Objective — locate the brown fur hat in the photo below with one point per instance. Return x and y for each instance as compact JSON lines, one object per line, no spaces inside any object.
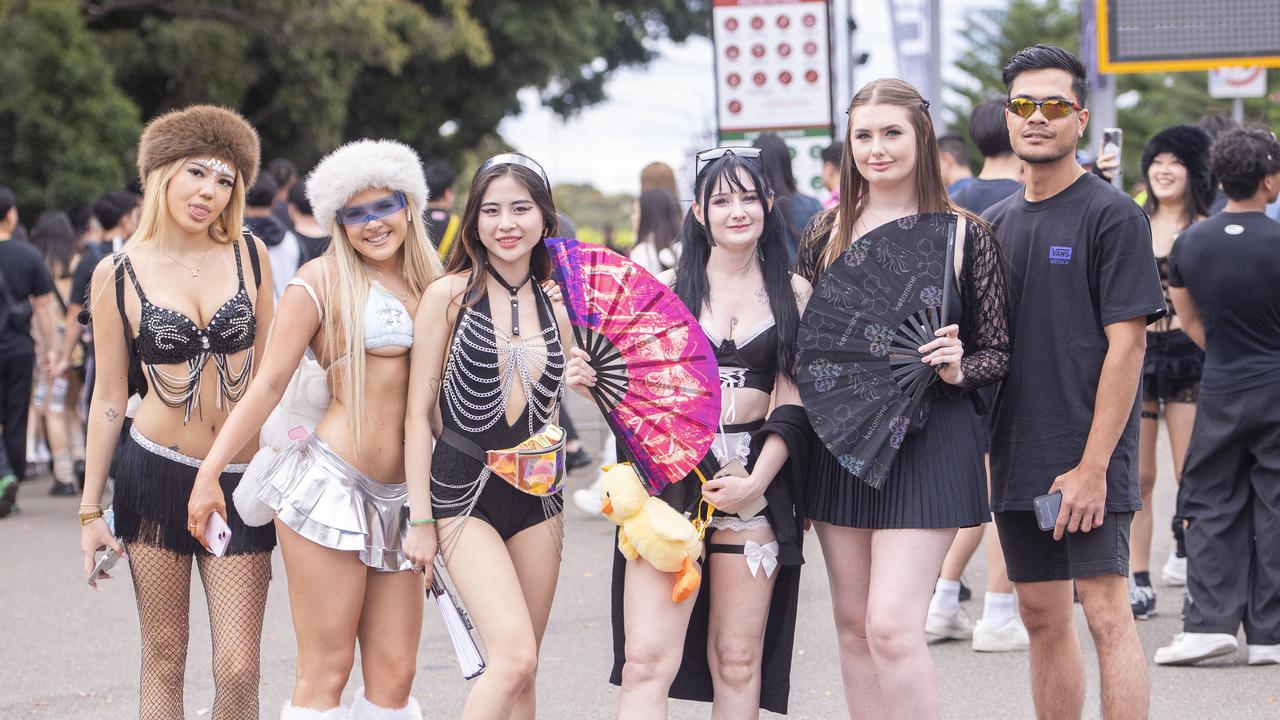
{"x":200,"y":131}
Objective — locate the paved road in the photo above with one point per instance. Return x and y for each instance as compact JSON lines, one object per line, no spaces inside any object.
{"x":72,"y":654}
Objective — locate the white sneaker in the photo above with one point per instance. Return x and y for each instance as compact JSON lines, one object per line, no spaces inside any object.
{"x":1189,"y":648}
{"x":588,"y":500}
{"x":1009,"y":637}
{"x":1174,"y":571}
{"x":941,"y":626}
{"x":1264,"y":654}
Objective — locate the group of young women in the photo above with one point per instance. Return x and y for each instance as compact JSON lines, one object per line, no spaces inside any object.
{"x":430,"y":367}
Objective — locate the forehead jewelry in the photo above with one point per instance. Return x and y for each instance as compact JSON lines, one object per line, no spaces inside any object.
{"x":217,"y":166}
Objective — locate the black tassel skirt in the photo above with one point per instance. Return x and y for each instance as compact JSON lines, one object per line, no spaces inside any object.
{"x":153,"y":485}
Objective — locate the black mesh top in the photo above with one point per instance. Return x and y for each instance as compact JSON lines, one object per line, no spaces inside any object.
{"x":984,"y":295}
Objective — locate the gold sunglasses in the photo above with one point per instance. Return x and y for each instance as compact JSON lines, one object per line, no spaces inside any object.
{"x":1052,"y":109}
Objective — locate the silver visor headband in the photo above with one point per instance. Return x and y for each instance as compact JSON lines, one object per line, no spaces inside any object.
{"x":516,"y":159}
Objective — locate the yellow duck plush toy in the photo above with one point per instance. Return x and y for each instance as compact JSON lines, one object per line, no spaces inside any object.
{"x":651,"y":529}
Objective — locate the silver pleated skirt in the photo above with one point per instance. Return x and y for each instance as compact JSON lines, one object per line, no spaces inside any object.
{"x":325,"y":500}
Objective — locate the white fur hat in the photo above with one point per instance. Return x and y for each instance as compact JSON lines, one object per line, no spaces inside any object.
{"x":359,"y":166}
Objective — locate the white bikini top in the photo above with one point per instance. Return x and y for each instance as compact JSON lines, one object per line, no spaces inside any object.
{"x":386,"y":321}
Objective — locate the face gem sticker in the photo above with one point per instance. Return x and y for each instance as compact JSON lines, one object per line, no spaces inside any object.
{"x":217,"y":166}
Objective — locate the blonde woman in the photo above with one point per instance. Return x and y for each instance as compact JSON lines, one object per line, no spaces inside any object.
{"x":352,"y":531}
{"x":185,"y":298}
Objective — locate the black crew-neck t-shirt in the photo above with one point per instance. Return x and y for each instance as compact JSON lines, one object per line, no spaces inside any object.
{"x":1230,"y":263}
{"x":980,"y":194}
{"x":1078,"y":261}
{"x":27,"y":278}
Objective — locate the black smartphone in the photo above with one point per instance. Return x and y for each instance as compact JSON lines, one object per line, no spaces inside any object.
{"x":1047,"y":508}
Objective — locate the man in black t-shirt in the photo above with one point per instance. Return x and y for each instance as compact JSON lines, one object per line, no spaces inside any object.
{"x":1001,"y":169}
{"x":1083,"y":287}
{"x":27,"y":305}
{"x":1224,"y":280}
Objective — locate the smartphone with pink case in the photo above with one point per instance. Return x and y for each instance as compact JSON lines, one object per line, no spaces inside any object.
{"x":217,"y":534}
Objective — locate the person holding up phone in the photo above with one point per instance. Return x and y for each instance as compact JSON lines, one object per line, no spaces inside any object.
{"x":732,"y":645}
{"x":178,"y":314}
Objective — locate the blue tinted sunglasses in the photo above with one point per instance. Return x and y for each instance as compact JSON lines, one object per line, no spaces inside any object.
{"x":380,"y":208}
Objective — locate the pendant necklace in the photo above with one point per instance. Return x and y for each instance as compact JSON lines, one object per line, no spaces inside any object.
{"x":514,"y":291}
{"x":403,"y":297}
{"x":195,"y":271}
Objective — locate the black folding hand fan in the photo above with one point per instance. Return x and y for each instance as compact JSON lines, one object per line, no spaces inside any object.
{"x":859,"y":368}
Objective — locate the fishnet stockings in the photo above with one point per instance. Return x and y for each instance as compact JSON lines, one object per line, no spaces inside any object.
{"x":236,"y":588}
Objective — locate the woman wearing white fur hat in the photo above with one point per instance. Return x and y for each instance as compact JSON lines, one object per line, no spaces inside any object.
{"x":353,"y":533}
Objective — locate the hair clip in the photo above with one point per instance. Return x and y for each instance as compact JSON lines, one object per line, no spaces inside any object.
{"x":925,"y":103}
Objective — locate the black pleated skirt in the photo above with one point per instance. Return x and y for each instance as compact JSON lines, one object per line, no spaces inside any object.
{"x":937,"y":481}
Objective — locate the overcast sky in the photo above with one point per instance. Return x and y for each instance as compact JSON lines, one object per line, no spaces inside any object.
{"x":666,"y":110}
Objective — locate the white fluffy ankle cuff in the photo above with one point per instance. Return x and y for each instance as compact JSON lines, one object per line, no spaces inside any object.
{"x":362,"y":709}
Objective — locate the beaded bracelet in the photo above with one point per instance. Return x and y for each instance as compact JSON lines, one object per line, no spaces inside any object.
{"x":423,"y":521}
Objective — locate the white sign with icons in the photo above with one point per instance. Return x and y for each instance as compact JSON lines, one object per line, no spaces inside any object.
{"x":773,"y":68}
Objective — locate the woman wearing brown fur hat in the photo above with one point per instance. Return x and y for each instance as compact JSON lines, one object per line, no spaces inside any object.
{"x":1175,"y":164}
{"x":177,"y":316}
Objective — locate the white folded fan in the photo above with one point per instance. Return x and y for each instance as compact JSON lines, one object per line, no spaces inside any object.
{"x":462,"y":633}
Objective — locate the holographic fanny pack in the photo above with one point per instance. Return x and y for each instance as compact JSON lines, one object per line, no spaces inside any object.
{"x":535,"y":466}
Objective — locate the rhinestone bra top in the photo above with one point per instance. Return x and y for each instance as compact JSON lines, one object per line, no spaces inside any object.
{"x":167,"y":337}
{"x":479,"y":376}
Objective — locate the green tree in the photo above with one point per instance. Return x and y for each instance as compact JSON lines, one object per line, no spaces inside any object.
{"x":67,"y":132}
{"x":438,"y":74}
{"x":1156,"y":100}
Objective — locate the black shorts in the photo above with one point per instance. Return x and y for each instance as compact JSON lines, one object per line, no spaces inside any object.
{"x":1032,"y":555}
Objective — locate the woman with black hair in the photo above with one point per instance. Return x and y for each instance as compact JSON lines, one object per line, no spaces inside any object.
{"x":486,"y":376}
{"x":796,"y":208}
{"x":1175,"y":164}
{"x":56,"y":238}
{"x":732,"y":645}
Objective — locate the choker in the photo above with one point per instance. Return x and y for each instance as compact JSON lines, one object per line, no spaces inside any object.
{"x":514,"y":291}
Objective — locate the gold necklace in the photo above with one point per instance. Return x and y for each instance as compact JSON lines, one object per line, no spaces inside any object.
{"x":404,"y":297}
{"x":195,"y":272}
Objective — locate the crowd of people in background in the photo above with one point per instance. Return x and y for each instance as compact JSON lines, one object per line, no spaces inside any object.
{"x":1085,"y":316}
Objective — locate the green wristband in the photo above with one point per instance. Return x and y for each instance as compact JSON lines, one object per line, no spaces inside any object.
{"x":423,"y":521}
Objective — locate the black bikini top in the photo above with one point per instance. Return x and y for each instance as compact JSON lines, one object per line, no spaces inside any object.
{"x":167,"y":337}
{"x":749,"y":363}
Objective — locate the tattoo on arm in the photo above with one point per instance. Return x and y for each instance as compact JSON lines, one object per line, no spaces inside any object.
{"x":111,"y":414}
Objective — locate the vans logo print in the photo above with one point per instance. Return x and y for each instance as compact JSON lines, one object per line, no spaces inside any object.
{"x":1059,"y":255}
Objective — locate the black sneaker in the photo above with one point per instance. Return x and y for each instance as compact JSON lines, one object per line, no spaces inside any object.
{"x":61,"y":488}
{"x":578,"y":459}
{"x":8,"y":494}
{"x":1142,"y":600}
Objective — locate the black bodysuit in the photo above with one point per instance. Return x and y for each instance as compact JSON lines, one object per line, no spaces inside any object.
{"x":473,"y":407}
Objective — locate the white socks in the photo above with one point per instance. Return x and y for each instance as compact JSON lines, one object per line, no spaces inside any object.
{"x":946,"y":597}
{"x":998,"y":609}
{"x":362,"y":709}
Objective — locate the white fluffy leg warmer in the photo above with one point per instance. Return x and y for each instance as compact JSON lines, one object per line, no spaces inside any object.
{"x":362,"y":709}
{"x":291,"y":712}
